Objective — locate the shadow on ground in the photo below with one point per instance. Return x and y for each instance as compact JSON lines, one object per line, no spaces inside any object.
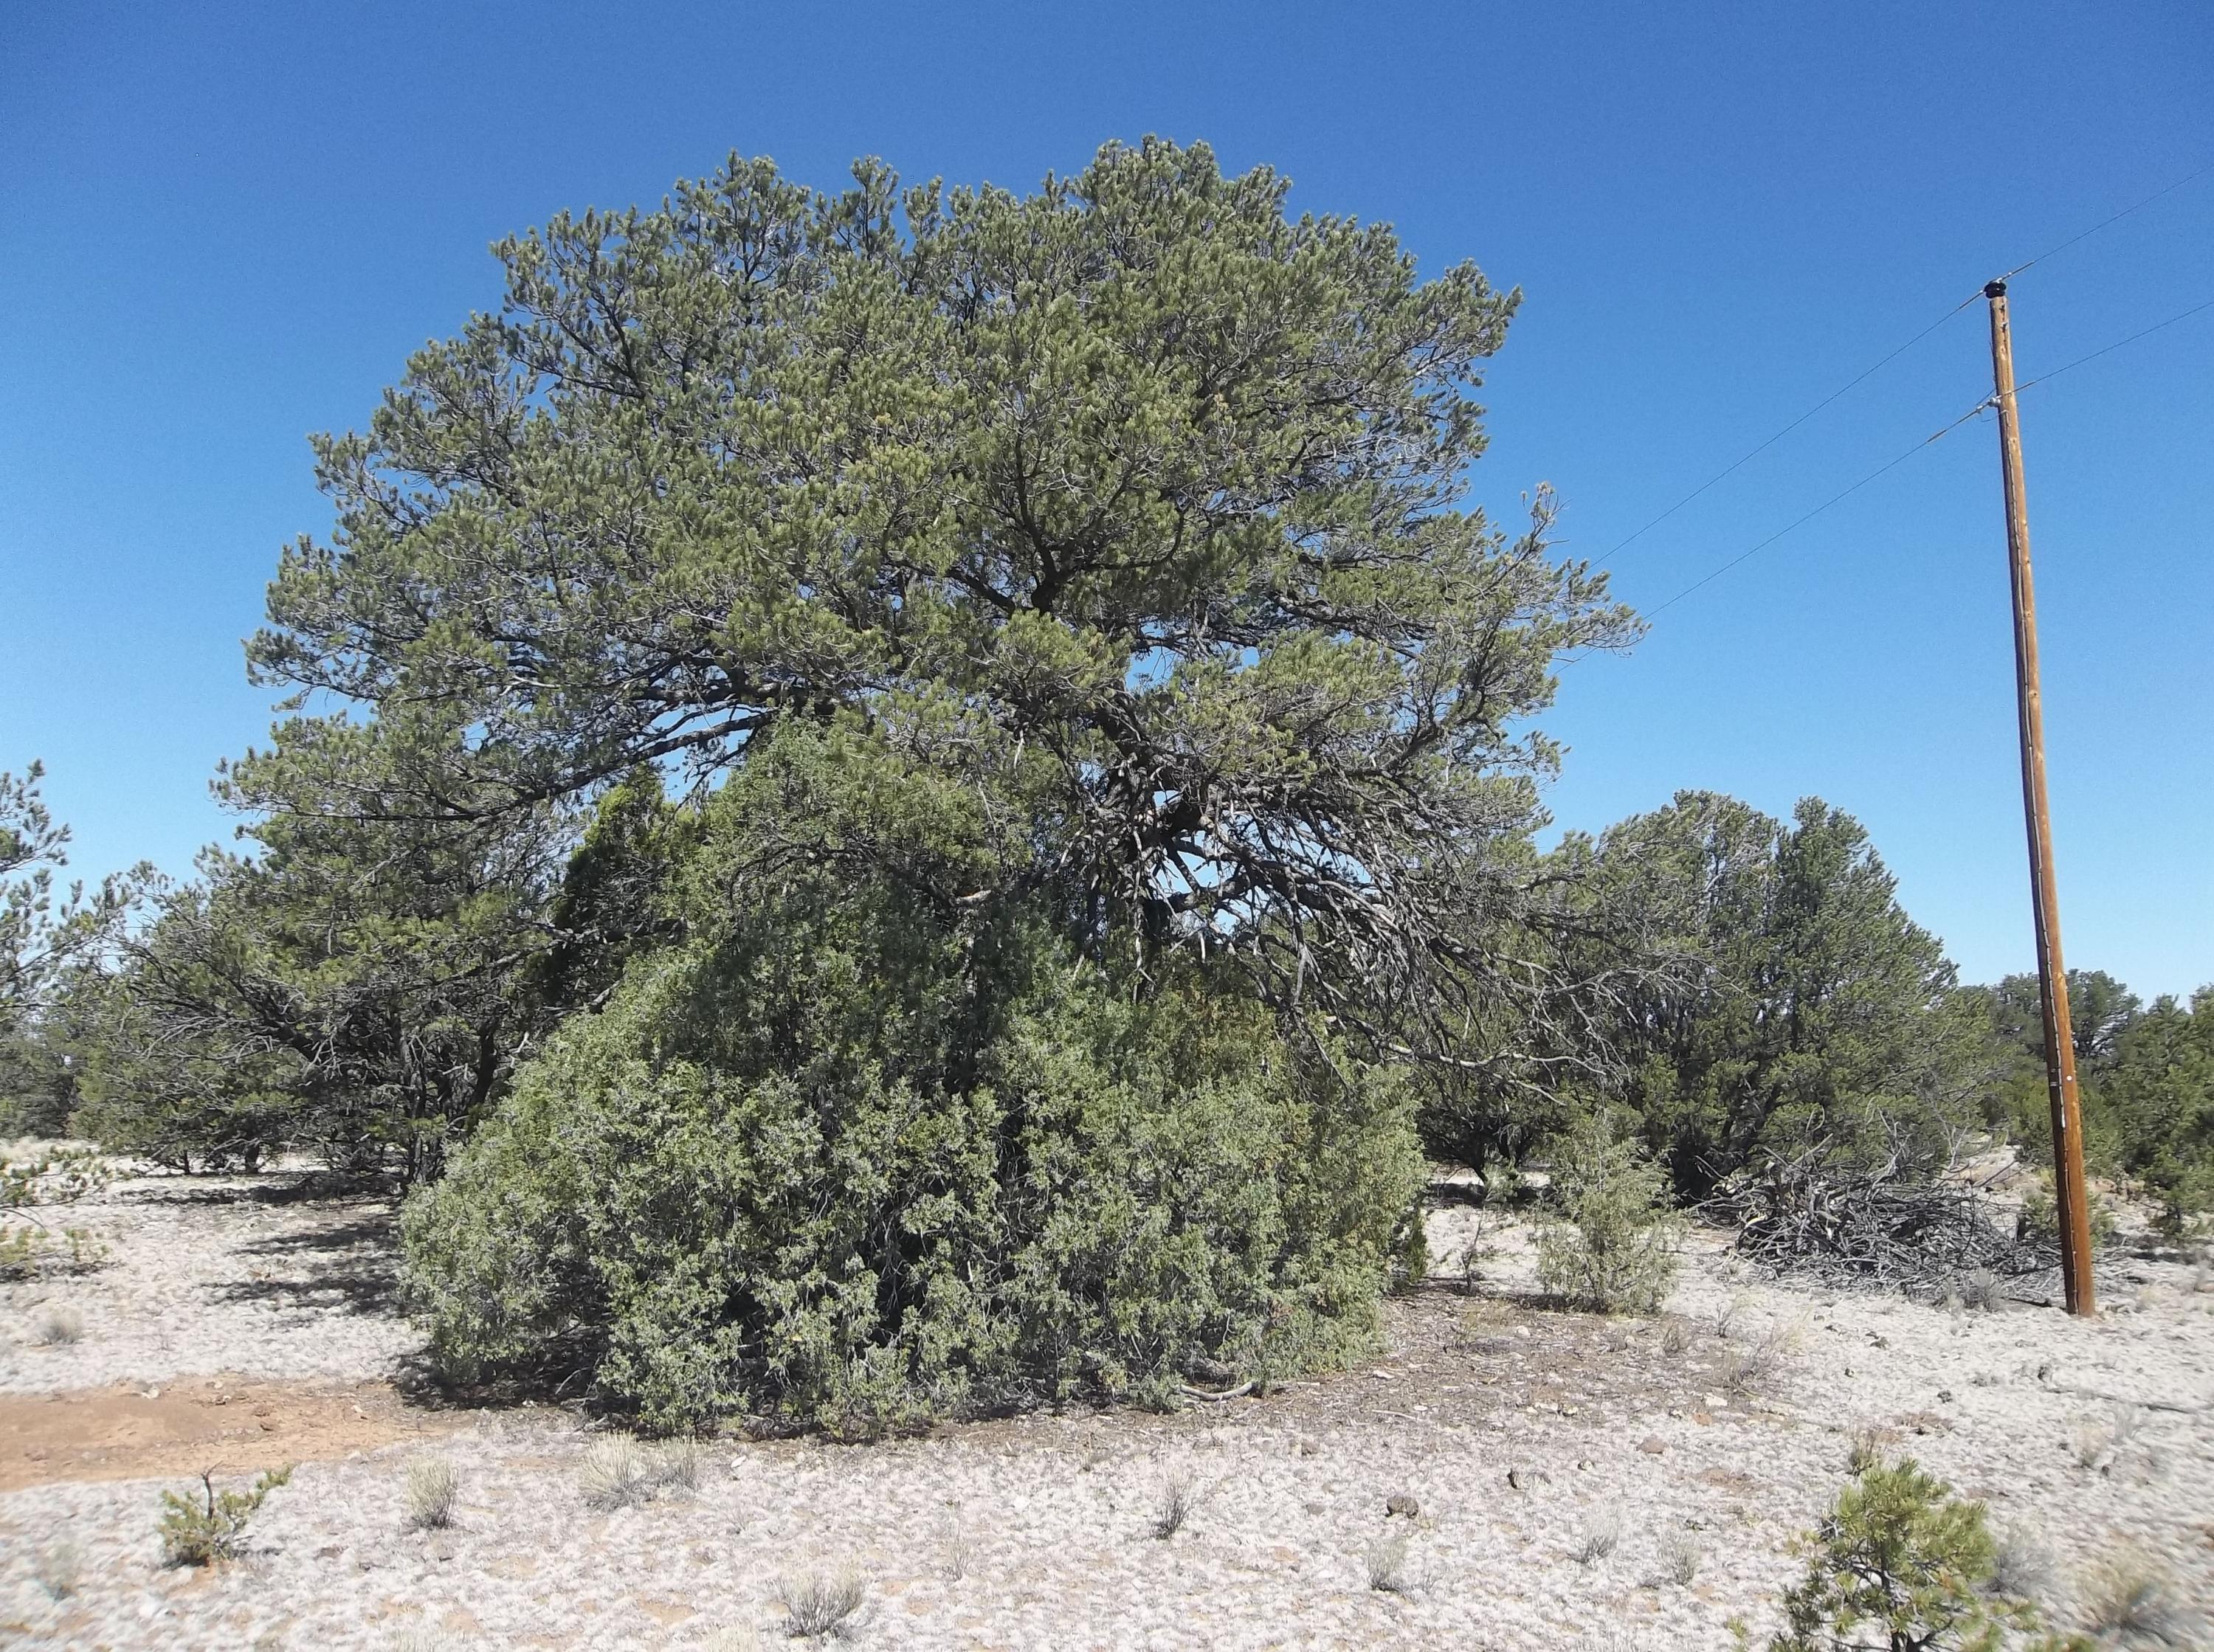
{"x":350,"y":1266}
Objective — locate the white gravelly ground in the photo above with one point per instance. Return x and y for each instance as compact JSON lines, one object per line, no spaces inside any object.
{"x":1036,"y":1532}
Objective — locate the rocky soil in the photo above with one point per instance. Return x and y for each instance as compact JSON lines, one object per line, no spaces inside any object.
{"x":1504,"y":1476}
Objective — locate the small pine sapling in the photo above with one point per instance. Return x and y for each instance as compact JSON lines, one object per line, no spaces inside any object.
{"x":1899,"y":1564}
{"x":197,"y":1531}
{"x":1410,"y":1263}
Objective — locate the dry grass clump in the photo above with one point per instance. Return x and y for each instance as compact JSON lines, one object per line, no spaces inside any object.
{"x":957,"y":1550}
{"x":616,"y":1473}
{"x":1869,"y":1442}
{"x":2024,"y":1565}
{"x":1753,"y":1369}
{"x":676,"y":1465}
{"x":1469,"y":1262}
{"x":1387,"y":1564}
{"x":59,"y":1569}
{"x":821,"y":1604}
{"x":2130,"y":1600}
{"x":58,"y":1327}
{"x":1680,"y":1555}
{"x":1599,"y":1540}
{"x":619,"y":1471}
{"x":2097,"y":1441}
{"x":1179,"y":1497}
{"x":433,"y":1483}
{"x":1733,"y":1314}
{"x":1983,"y":1291}
{"x":734,"y":1638}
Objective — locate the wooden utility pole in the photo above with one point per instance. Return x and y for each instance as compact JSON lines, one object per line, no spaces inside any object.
{"x":2069,"y":1194}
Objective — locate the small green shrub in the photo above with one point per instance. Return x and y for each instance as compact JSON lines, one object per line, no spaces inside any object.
{"x":1411,"y":1262}
{"x":2038,"y":1222}
{"x":196,"y":1531}
{"x":1610,"y":1243}
{"x":1900,"y":1563}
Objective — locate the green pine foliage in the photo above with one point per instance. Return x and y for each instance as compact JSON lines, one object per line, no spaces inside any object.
{"x":1900,"y":1564}
{"x":52,"y":937}
{"x":1608,"y":1242}
{"x":199,"y":1531}
{"x":876,"y":1143}
{"x":2145,"y":1080}
{"x":1148,"y":495}
{"x":29,"y":1244}
{"x":1786,"y":1002}
{"x":2159,"y":1094}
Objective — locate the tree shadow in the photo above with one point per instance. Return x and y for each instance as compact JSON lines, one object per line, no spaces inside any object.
{"x":268,"y":1187}
{"x":352,"y":1266}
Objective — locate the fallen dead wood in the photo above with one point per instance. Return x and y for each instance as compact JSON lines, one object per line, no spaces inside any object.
{"x":1238,"y":1393}
{"x":1872,"y":1227}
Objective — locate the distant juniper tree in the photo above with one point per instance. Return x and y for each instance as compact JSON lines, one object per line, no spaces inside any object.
{"x":48,"y":933}
{"x":2158,"y":1092}
{"x":2101,"y":1011}
{"x":1793,"y":1005}
{"x":360,"y":985}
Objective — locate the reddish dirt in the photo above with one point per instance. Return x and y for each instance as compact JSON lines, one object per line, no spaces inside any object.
{"x":231,"y":1425}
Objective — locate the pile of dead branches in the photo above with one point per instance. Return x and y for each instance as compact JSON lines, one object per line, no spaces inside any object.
{"x":1867,"y":1226}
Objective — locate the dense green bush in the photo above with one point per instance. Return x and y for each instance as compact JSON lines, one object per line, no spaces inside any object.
{"x":1788,"y":1004}
{"x":2159,"y":1093}
{"x":875,"y":1142}
{"x":1610,"y":1240}
{"x":2145,"y":1074}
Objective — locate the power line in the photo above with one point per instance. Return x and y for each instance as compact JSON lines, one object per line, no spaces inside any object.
{"x":1836,"y":498}
{"x":1726,"y":471}
{"x":1868,"y":372}
{"x":2147,"y":333}
{"x":2102,"y":223}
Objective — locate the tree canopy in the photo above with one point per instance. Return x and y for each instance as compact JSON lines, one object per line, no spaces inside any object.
{"x":1797,"y":1008}
{"x":1136,"y":499}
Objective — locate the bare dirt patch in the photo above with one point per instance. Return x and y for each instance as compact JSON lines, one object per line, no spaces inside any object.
{"x":230,"y":1424}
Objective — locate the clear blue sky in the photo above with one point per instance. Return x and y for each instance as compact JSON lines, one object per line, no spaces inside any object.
{"x":223,"y":227}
